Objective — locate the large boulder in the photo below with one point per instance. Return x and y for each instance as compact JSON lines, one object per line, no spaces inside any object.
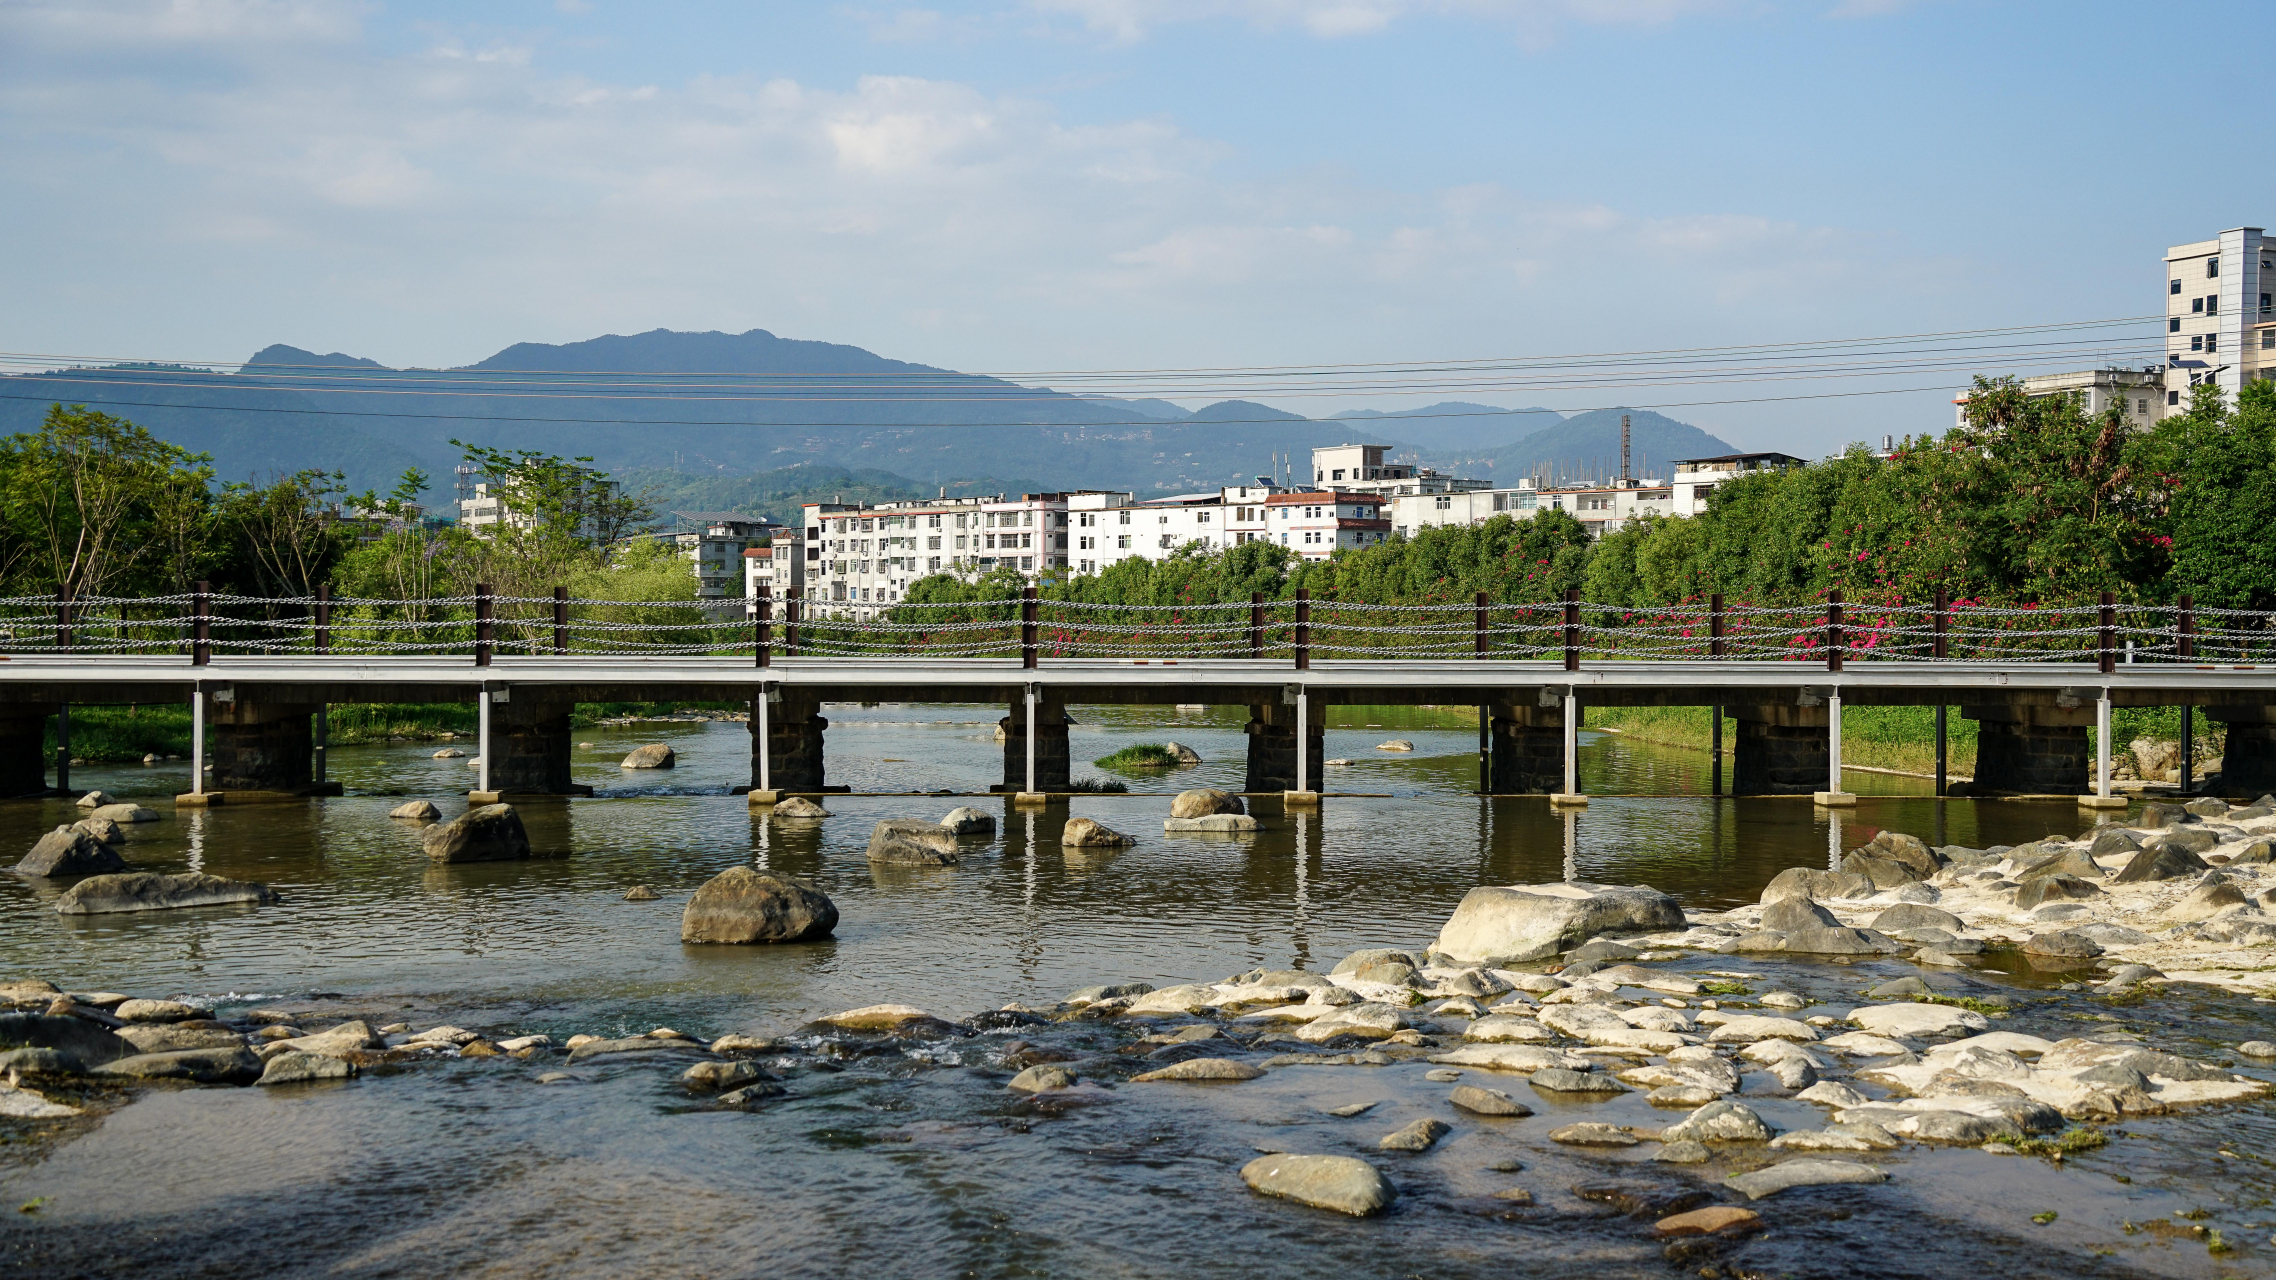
{"x":2160,"y":860}
{"x":1912,"y":851}
{"x":1202,"y":802}
{"x":655,"y":755}
{"x":2054,"y":888}
{"x":2211,"y":896}
{"x":83,"y":1045}
{"x":125,"y":813}
{"x":1084,"y":833}
{"x":799,"y":807}
{"x":334,"y":1042}
{"x":1913,"y":915}
{"x":911,"y":842}
{"x":2165,"y":815}
{"x":2110,"y":842}
{"x":2069,"y":862}
{"x":204,"y":1066}
{"x":742,"y":905}
{"x":416,"y":811}
{"x":2189,"y":840}
{"x":1839,"y":941}
{"x":1183,"y":753}
{"x":68,"y":851}
{"x":1233,"y":822}
{"x":1796,"y":913}
{"x":1341,"y":1183}
{"x":96,"y":800}
{"x":1515,"y":924}
{"x":968,"y":821}
{"x":492,"y":833}
{"x":1822,"y":886}
{"x":148,"y":891}
{"x":102,"y":829}
{"x":1884,"y":872}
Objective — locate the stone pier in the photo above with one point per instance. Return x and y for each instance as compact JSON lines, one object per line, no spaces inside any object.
{"x":530,"y":744}
{"x":1528,"y":750}
{"x":261,"y":746}
{"x":1052,"y":771}
{"x":794,"y":741}
{"x":1779,"y":751}
{"x":2027,"y":750}
{"x":2248,"y":762}
{"x":1272,"y":748}
{"x":23,"y":751}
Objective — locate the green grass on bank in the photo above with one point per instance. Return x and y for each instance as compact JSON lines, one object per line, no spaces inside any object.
{"x":125,"y":734}
{"x":1891,"y":737}
{"x":1143,"y":755}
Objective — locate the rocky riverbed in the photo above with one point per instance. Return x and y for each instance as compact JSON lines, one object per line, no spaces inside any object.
{"x":1581,"y":1066}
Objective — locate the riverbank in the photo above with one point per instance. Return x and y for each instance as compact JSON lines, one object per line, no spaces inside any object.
{"x":126,"y":734}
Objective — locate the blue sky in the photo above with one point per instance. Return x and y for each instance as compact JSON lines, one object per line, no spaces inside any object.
{"x":1082,"y":184}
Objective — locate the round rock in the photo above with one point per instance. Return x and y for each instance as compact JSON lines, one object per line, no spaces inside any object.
{"x":1339,"y":1183}
{"x":740,"y":905}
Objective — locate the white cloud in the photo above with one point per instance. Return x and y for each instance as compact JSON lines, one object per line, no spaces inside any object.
{"x":1132,"y":20}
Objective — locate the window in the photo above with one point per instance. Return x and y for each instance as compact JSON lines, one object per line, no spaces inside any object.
{"x":1125,"y":520}
{"x":2173,"y":325}
{"x":2176,"y":287}
{"x":1027,"y":562}
{"x":2213,"y":304}
{"x":960,"y":519}
{"x":2268,"y":339}
{"x":2141,"y":406}
{"x":1122,"y":543}
{"x":2266,"y":301}
{"x":2173,"y":397}
{"x":2196,"y":342}
{"x":2212,"y":267}
{"x":1084,"y":520}
{"x":1027,"y":518}
{"x":2212,"y":342}
{"x":1443,"y":502}
{"x":1201,"y":517}
{"x":2197,"y":305}
{"x":934,"y":564}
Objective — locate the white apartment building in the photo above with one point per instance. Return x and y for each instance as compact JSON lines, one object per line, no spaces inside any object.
{"x":2139,"y":394}
{"x":1601,"y":509}
{"x":869,"y":553}
{"x":780,"y":568}
{"x":1361,"y":468}
{"x":1318,"y":524}
{"x":2220,"y":319}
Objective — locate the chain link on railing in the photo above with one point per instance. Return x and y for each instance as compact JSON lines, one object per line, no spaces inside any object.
{"x":1824,"y":635}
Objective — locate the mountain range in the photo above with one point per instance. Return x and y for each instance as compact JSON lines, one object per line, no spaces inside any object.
{"x":712,"y":407}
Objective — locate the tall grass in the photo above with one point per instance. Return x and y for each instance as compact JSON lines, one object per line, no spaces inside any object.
{"x":1902,"y":738}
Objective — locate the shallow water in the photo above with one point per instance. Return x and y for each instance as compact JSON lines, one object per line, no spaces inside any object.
{"x":919,"y":1162}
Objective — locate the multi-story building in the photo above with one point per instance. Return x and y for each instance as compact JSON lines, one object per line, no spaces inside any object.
{"x":2139,"y":394}
{"x":780,"y":568}
{"x":1361,"y":468}
{"x":1601,"y":509}
{"x":2220,"y":318}
{"x":1317,"y":524}
{"x":869,"y":553}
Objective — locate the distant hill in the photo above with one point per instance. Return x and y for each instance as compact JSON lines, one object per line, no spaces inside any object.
{"x":1588,"y":445}
{"x":1455,"y":425}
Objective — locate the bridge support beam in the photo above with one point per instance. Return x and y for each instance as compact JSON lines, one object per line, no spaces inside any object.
{"x":261,"y":746}
{"x":23,"y":753}
{"x":1272,"y":748}
{"x":1052,"y":759}
{"x":1528,"y":750}
{"x":793,"y":743}
{"x":530,"y":744}
{"x":2031,"y":750}
{"x":1781,"y":750}
{"x":2248,"y":763}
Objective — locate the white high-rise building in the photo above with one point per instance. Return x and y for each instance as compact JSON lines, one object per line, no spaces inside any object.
{"x":2220,"y":324}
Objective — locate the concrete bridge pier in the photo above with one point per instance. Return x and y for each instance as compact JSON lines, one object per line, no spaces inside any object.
{"x":1052,"y":756}
{"x":1781,"y":750}
{"x":261,"y":746}
{"x":530,"y":744}
{"x":2032,"y":750}
{"x":1528,"y":749}
{"x":23,"y":753}
{"x":2248,"y":763}
{"x":1272,"y":748}
{"x":793,"y":743}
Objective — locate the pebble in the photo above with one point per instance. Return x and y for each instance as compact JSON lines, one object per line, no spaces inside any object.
{"x":1487,"y":1102}
{"x":1801,"y":1173}
{"x":1514,"y":1195}
{"x":1042,"y":1078}
{"x":1442,"y":1075}
{"x":1420,"y":1135}
{"x":1349,"y":1110}
{"x":2257,"y":1049}
{"x":1684,"y":1151}
{"x":1720,"y":1219}
{"x":1592,"y":1134}
{"x":640,"y":893}
{"x":1206,"y":1069}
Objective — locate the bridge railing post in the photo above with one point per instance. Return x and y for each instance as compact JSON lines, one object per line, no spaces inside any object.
{"x":2185,"y":644}
{"x":1027,"y":619}
{"x":1303,"y":636}
{"x":1941,"y":626}
{"x":63,"y":617}
{"x":1572,"y":629}
{"x":1715,"y":625}
{"x":1715,"y":713}
{"x":561,"y":619}
{"x":1483,"y":636}
{"x":790,"y":627}
{"x":1256,"y":624}
{"x":1834,"y":641}
{"x":484,"y":636}
{"x":201,"y":625}
{"x":762,"y":623}
{"x":323,"y":621}
{"x":2106,"y":633}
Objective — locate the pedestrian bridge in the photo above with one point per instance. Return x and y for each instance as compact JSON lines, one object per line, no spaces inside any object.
{"x":259,"y":674}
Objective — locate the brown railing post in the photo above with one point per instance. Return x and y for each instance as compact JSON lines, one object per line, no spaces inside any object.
{"x":1027,"y":617}
{"x":1943,"y":626}
{"x":1715,"y":625}
{"x":2187,"y":643}
{"x":2107,"y":633}
{"x":201,"y":625}
{"x":790,"y":627}
{"x":1478,"y":626}
{"x":1256,"y":624}
{"x":323,"y":618}
{"x":561,"y":619}
{"x":1833,"y":631}
{"x":483,"y":634}
{"x":763,"y":627}
{"x":1572,"y":629}
{"x":63,"y":618}
{"x":1303,"y":635}
{"x":2187,"y":640}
